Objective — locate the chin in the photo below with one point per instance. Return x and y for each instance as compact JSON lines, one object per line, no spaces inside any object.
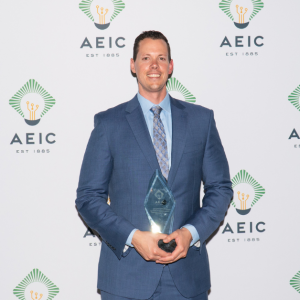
{"x":156,"y":89}
{"x":157,"y":86}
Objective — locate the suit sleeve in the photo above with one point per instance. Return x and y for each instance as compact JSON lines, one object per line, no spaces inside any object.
{"x":217,"y":186}
{"x":92,"y":192}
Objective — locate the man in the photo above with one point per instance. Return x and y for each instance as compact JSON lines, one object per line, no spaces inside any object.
{"x":132,"y":140}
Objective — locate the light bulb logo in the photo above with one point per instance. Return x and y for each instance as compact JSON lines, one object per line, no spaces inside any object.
{"x":247,"y":191}
{"x":36,"y":286}
{"x":32,"y":102}
{"x":102,"y":25}
{"x":240,"y":12}
{"x":99,"y":14}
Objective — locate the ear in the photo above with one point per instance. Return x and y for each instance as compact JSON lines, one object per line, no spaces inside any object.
{"x":132,"y":68}
{"x":171,"y":67}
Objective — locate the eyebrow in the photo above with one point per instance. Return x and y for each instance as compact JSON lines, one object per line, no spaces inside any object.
{"x":158,"y":54}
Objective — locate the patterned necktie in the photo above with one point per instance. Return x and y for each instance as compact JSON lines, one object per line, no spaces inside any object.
{"x":160,"y":141}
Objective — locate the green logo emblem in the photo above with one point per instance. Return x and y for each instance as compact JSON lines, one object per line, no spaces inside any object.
{"x":241,"y":16}
{"x":247,"y":190}
{"x":36,"y":286}
{"x":101,"y":16}
{"x":294,"y":97}
{"x":174,"y":85}
{"x":295,"y":282}
{"x":32,"y":102}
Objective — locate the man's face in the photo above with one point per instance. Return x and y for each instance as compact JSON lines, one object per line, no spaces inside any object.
{"x":152,"y":66}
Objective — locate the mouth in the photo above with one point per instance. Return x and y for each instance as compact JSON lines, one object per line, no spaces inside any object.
{"x":153,"y":75}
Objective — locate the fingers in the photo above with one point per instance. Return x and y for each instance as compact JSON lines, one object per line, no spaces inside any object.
{"x":159,"y":253}
{"x":178,"y":253}
{"x":161,"y":236}
{"x":154,"y":254}
{"x":146,"y":244}
{"x":171,"y":237}
{"x":180,"y":250}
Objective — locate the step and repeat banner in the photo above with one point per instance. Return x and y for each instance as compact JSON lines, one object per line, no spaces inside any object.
{"x":64,"y":61}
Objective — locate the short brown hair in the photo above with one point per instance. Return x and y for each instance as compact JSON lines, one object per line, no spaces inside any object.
{"x":151,"y":34}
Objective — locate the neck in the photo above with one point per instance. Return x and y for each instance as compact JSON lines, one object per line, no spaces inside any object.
{"x":154,"y":97}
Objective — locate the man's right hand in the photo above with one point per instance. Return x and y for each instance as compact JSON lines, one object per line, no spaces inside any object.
{"x":146,"y":244}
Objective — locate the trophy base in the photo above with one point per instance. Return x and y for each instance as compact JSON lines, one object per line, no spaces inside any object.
{"x":169,"y":247}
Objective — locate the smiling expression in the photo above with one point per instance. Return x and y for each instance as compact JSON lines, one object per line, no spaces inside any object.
{"x":152,"y":66}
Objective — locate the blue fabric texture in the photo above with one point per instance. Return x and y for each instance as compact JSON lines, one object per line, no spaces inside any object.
{"x":120,"y":160}
{"x":165,"y":290}
{"x":166,"y":118}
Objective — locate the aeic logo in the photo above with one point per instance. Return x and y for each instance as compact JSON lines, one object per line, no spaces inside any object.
{"x":247,"y":191}
{"x":241,"y":12}
{"x":32,"y":102}
{"x":36,"y":286}
{"x":102,"y":12}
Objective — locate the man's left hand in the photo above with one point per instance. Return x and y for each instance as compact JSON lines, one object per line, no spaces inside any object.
{"x":183,"y":239}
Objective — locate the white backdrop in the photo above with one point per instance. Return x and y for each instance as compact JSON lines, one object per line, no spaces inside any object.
{"x":247,"y":87}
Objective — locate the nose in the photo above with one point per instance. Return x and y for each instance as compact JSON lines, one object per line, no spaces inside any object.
{"x":154,"y":65}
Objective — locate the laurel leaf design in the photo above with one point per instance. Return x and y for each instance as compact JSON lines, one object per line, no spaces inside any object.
{"x":295,"y":282}
{"x":85,"y":6}
{"x":258,"y":5}
{"x":118,"y":7}
{"x":225,"y":6}
{"x":174,"y":85}
{"x":294,"y":97}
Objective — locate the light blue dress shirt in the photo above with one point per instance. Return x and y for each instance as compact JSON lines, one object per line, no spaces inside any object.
{"x":166,"y":118}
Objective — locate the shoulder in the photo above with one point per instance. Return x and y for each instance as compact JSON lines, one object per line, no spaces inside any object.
{"x":194,"y":110}
{"x":111,"y":115}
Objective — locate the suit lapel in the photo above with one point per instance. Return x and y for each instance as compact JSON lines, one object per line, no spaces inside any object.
{"x":179,"y":127}
{"x":140,"y":130}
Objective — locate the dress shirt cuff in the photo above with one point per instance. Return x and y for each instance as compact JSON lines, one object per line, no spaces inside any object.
{"x":194,"y":233}
{"x":129,"y":239}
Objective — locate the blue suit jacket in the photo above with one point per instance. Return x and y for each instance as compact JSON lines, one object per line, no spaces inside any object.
{"x":119,"y":161}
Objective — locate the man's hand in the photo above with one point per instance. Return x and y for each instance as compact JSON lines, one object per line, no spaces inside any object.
{"x":183,"y":239}
{"x":146,"y":244}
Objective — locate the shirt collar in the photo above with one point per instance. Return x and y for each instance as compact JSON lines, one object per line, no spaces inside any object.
{"x":146,"y":104}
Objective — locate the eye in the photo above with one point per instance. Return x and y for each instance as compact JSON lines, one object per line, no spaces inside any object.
{"x":162,"y":58}
{"x":145,"y":58}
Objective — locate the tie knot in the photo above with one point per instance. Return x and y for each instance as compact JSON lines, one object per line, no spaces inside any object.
{"x":156,"y":110}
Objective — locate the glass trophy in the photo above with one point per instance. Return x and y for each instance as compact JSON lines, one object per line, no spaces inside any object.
{"x":160,"y":206}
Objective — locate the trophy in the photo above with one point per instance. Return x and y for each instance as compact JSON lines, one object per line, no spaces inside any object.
{"x":160,"y":205}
